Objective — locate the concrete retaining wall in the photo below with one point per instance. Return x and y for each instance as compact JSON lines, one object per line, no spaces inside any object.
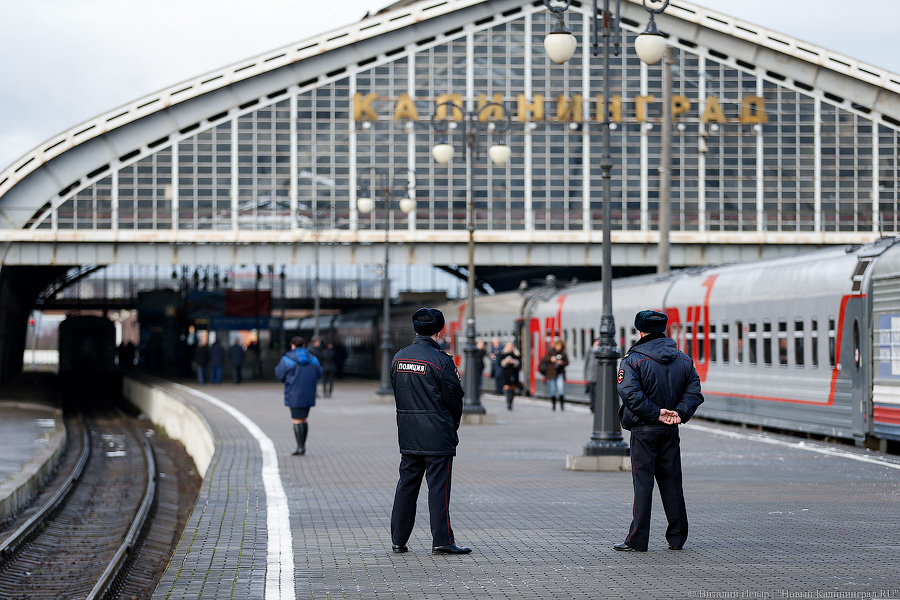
{"x":174,"y":414}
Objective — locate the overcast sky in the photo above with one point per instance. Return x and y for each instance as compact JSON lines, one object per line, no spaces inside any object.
{"x":66,"y":61}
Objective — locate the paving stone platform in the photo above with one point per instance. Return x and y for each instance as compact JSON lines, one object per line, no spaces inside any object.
{"x":771,"y":516}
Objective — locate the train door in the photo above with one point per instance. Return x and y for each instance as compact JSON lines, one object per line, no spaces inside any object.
{"x":855,"y":326}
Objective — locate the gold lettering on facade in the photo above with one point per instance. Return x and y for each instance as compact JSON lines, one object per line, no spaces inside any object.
{"x":640,"y":107}
{"x":362,"y":107}
{"x":366,"y":108}
{"x":753,"y":110}
{"x":442,"y":112}
{"x":569,"y":111}
{"x":680,"y":105}
{"x":536,"y":108}
{"x":492,"y":113}
{"x":712,"y":111}
{"x":405,"y":109}
{"x":615,"y":109}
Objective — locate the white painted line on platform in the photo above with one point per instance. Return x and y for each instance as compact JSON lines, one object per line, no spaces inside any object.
{"x":801,"y":445}
{"x":280,"y":556}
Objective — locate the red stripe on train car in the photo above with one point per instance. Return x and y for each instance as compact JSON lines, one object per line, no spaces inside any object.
{"x":884,"y":414}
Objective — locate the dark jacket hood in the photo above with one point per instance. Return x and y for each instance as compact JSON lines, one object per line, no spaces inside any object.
{"x":657,"y":346}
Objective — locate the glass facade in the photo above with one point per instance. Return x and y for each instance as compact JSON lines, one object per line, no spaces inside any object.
{"x":750,"y":152}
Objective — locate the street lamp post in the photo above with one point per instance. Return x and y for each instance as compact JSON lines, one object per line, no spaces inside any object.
{"x":496,"y":118}
{"x":606,"y":439}
{"x":385,"y":181}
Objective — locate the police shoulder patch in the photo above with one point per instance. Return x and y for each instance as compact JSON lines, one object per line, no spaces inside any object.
{"x":620,"y":377}
{"x":627,"y":354}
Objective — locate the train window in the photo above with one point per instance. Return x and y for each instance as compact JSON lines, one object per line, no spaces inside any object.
{"x":782,"y":344}
{"x":688,"y":340}
{"x":857,"y":353}
{"x":739,"y":351}
{"x":575,"y":347}
{"x":814,"y":342}
{"x":798,"y":342}
{"x":767,"y":343}
{"x":751,"y":343}
{"x":701,"y":346}
{"x":832,"y":358}
{"x":584,"y":348}
{"x":725,"y":343}
{"x":712,"y":342}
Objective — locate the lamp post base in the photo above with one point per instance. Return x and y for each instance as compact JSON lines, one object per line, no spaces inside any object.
{"x":382,"y":398}
{"x":478,"y":419}
{"x":580,"y":462}
{"x":607,"y":448}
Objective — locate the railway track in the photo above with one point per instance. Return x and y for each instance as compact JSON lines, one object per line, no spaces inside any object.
{"x":77,"y":541}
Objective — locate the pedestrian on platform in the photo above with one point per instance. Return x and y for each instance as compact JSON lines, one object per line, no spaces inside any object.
{"x":510,"y":363}
{"x":236,"y":356}
{"x":496,"y":369}
{"x":660,"y":388}
{"x":329,"y":368}
{"x":553,"y":366}
{"x":201,"y":358}
{"x":216,"y":362}
{"x":428,"y":395}
{"x":299,"y":370}
{"x":480,"y":354}
{"x":591,"y":365}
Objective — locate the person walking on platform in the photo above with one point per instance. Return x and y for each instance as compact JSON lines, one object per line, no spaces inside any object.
{"x":236,"y":356}
{"x":216,"y":362}
{"x":510,"y":363}
{"x":328,"y":359}
{"x":201,"y":357}
{"x":428,"y":394}
{"x":553,"y":366}
{"x":299,"y":370}
{"x":496,"y":369}
{"x":660,"y":388}
{"x":590,"y":372}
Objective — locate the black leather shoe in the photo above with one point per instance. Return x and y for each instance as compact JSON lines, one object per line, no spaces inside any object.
{"x":399,"y":549}
{"x":451,"y":549}
{"x":672,"y":547}
{"x":626,"y":548}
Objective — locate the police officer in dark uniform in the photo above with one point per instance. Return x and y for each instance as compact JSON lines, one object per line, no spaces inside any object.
{"x":429,"y":397}
{"x":659,"y":388}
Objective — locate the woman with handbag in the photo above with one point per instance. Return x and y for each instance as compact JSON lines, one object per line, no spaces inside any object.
{"x":556,"y":360}
{"x":510,"y":363}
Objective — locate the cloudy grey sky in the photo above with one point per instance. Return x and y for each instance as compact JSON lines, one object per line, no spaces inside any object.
{"x":67,"y":61}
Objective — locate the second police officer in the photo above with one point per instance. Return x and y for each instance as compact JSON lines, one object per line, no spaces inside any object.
{"x":660,"y":388}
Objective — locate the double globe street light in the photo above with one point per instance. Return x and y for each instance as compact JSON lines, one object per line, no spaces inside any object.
{"x":492,"y":116}
{"x":385,"y":182}
{"x":606,"y":439}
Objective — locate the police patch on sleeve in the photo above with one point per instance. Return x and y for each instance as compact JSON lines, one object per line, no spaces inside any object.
{"x":620,"y":377}
{"x":455,"y":370}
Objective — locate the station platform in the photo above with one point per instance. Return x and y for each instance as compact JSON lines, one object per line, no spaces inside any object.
{"x":32,"y":437}
{"x":771,"y":516}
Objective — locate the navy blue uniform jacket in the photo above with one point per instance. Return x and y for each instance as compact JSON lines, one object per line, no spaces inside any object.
{"x":655,"y":374}
{"x":299,"y":371}
{"x":429,"y":399}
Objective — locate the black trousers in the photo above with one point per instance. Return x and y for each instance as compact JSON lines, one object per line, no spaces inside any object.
{"x":437,"y":470}
{"x":656,"y":453}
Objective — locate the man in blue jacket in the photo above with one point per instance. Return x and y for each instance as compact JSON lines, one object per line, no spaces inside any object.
{"x":429,"y":397}
{"x":299,"y":371}
{"x":659,"y":388}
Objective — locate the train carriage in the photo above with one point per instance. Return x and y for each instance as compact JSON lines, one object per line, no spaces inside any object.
{"x":774,"y":341}
{"x":884,"y":290}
